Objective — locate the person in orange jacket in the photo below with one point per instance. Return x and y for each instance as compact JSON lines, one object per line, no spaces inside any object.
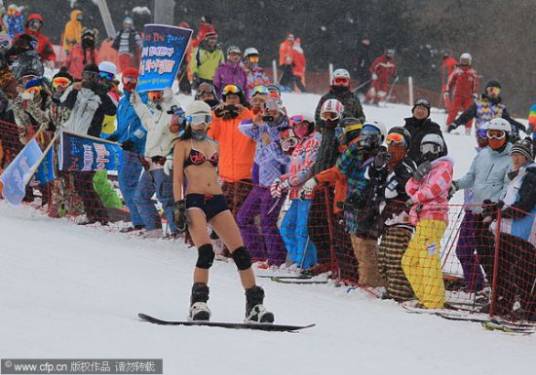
{"x":34,"y":24}
{"x":462,"y":86}
{"x":72,"y":34}
{"x":237,"y":151}
{"x":298,"y":65}
{"x":448,"y":64}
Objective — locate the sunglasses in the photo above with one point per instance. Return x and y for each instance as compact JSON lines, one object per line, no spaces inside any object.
{"x":496,"y":134}
{"x":329,"y":116}
{"x":395,"y":138}
{"x":130,"y":80}
{"x":253,"y":59}
{"x":231,"y":89}
{"x":60,"y":82}
{"x":341,"y":81}
{"x":260,"y":90}
{"x":107,"y":76}
{"x":199,"y":119}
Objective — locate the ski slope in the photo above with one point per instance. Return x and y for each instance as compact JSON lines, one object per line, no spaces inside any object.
{"x":74,"y":292}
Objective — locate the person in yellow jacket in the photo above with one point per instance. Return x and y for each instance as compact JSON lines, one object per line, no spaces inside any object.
{"x":205,"y":59}
{"x":73,"y":31}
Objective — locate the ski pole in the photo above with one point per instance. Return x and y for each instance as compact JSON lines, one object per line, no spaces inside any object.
{"x":363,"y":84}
{"x":391,"y":90}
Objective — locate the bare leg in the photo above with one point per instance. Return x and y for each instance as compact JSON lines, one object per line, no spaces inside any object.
{"x":198,"y":232}
{"x":225,"y":226}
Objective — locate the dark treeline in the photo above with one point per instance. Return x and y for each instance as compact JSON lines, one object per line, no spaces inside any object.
{"x":497,"y":33}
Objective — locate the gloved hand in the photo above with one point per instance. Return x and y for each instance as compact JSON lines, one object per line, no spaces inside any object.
{"x":489,"y":208}
{"x":453,"y":189}
{"x":128,"y":146}
{"x":451,"y":127}
{"x":278,"y":186}
{"x":308,"y":187}
{"x":179,"y":216}
{"x":422,"y":170}
{"x":381,"y":159}
{"x":168,"y":165}
{"x":374,"y":76}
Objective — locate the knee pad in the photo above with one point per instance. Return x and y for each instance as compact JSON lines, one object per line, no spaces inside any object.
{"x":242,"y":258}
{"x":205,"y":256}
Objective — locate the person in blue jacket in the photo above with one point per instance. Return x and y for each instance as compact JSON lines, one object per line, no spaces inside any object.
{"x":132,"y":136}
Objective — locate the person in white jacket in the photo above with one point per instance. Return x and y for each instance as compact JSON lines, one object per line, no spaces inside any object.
{"x":156,"y":117}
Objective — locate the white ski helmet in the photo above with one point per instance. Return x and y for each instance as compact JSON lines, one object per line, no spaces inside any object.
{"x":108,"y":67}
{"x":466,"y":59}
{"x":198,"y":107}
{"x":340,"y":73}
{"x":251,"y":51}
{"x":233,"y":49}
{"x":333,"y":106}
{"x":432,"y":147}
{"x":500,"y":124}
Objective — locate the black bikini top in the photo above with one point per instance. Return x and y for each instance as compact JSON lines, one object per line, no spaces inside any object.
{"x":197,"y":157}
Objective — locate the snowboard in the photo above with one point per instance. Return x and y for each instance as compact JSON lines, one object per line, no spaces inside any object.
{"x":514,"y":329}
{"x":254,"y":326}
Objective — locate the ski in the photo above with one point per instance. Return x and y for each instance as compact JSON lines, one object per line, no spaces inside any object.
{"x":253,"y":326}
{"x":285,"y":277}
{"x":493,"y":325}
{"x":297,"y":281}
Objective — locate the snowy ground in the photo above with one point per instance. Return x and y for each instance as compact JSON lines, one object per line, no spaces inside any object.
{"x":70,"y":291}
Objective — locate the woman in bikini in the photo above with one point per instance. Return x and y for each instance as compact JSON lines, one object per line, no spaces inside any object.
{"x":195,"y":158}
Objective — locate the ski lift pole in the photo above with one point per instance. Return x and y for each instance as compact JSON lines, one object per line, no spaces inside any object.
{"x":274,"y":72}
{"x":106,"y":18}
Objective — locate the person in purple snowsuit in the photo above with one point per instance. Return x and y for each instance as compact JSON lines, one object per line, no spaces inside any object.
{"x":231,"y":72}
{"x":272,"y":163}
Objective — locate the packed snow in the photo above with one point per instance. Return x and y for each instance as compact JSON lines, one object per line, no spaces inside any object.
{"x":74,"y":292}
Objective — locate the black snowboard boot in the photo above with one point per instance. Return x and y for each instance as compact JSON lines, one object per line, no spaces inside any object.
{"x":255,"y":311}
{"x":198,"y":302}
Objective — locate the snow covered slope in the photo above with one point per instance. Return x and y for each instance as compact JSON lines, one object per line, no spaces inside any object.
{"x":69,"y":291}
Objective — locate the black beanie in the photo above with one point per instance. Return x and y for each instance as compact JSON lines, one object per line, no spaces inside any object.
{"x":63,"y":73}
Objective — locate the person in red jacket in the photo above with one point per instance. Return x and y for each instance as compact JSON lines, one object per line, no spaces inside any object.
{"x":461,"y":87}
{"x":448,"y":64}
{"x":382,"y":70}
{"x":34,"y":24}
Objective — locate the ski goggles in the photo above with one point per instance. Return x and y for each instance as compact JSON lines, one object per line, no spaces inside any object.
{"x":341,"y":81}
{"x":353,"y":127}
{"x":494,"y":91}
{"x":430,"y":148}
{"x":253,"y":59}
{"x":297,"y":119}
{"x":260,"y":90}
{"x":154,"y":95}
{"x":329,"y":116}
{"x":62,"y":82}
{"x":495,"y":134}
{"x":107,"y":76}
{"x":127,"y":79}
{"x":89,"y":75}
{"x":395,"y":138}
{"x":198,"y":119}
{"x":33,"y":90}
{"x":35,"y":24}
{"x":274,"y":91}
{"x":482,"y":133}
{"x":231,"y":89}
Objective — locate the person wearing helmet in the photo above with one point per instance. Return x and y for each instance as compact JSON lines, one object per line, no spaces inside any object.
{"x":487,"y":107}
{"x":340,"y":90}
{"x":270,"y":162}
{"x":486,"y":182}
{"x":237,"y":151}
{"x":382,"y":72}
{"x":207,"y":93}
{"x":202,"y":203}
{"x":300,"y":250}
{"x":72,"y":34}
{"x":461,"y":88}
{"x":128,"y":44}
{"x":397,"y":229}
{"x":34,"y":24}
{"x":428,"y":191}
{"x":132,"y":136}
{"x":364,"y":164}
{"x":448,"y":64}
{"x":231,"y":72}
{"x":255,"y":73}
{"x":516,"y":260}
{"x":205,"y":59}
{"x":14,"y":21}
{"x":419,"y":125}
{"x":155,"y":116}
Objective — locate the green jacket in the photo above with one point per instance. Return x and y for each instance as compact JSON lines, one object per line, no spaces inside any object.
{"x":204,"y":62}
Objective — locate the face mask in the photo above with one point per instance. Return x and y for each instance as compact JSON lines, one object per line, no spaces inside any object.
{"x":397,"y":152}
{"x":496,"y":143}
{"x":199,"y":135}
{"x":301,"y":130}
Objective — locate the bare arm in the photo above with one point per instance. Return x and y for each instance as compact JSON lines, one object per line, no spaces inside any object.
{"x":178,"y":170}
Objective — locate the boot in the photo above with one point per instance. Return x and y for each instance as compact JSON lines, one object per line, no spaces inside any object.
{"x":255,"y":311}
{"x":198,"y":302}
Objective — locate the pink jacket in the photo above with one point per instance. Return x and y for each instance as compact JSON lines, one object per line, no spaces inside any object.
{"x":431,"y":193}
{"x":301,"y":164}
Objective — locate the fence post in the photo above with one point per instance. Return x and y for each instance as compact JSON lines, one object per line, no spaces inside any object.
{"x":493,"y":299}
{"x":274,"y":71}
{"x":410,"y":90}
{"x":330,"y":68}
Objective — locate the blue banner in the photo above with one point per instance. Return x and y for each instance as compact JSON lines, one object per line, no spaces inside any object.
{"x":19,"y":172}
{"x":45,"y":171}
{"x":81,"y":153}
{"x":163,"y":50}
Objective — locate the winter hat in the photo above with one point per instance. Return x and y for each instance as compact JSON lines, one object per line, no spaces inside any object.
{"x":198,"y":107}
{"x":91,"y":68}
{"x":493,"y":83}
{"x":524,"y":147}
{"x":63,"y":73}
{"x":423,"y":103}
